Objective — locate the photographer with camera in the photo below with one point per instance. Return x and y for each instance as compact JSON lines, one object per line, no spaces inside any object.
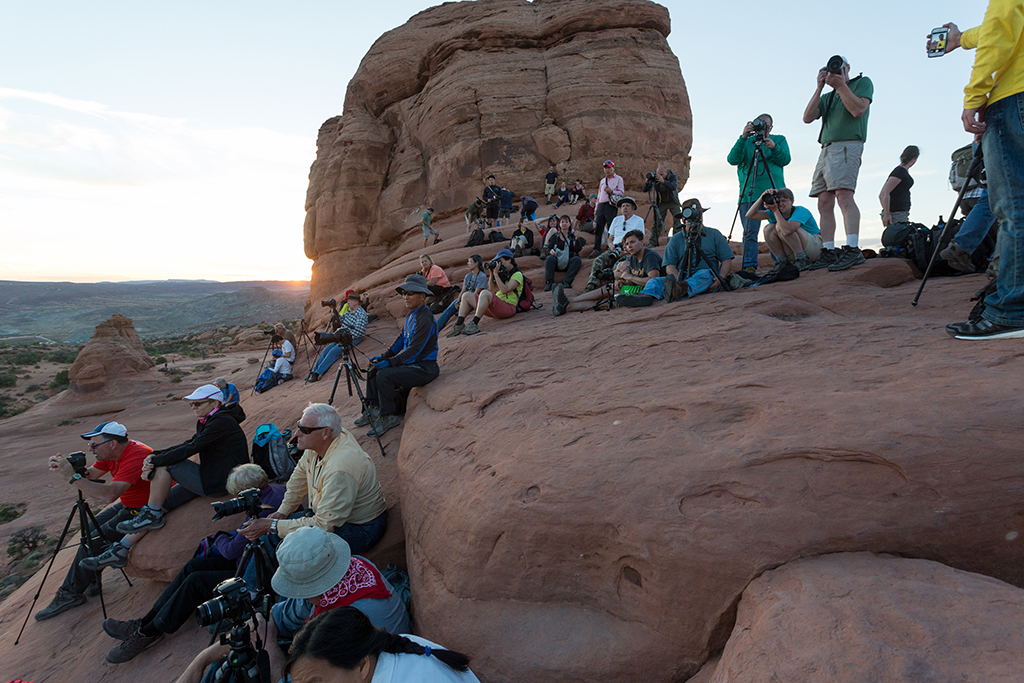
{"x":666,"y":201}
{"x":561,"y":252}
{"x":195,"y":582}
{"x":792,"y":234}
{"x":505,"y":286}
{"x":844,"y":129}
{"x":771,"y":154}
{"x":122,"y":458}
{"x":352,"y":319}
{"x":340,"y":480}
{"x":620,"y":225}
{"x":628,"y":277}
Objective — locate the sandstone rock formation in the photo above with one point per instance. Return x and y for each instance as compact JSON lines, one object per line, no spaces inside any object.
{"x":849,"y":618}
{"x":114,"y":352}
{"x":506,"y":87}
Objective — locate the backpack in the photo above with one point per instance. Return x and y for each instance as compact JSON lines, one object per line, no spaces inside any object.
{"x":526,"y":299}
{"x":961,"y":162}
{"x":272,"y":452}
{"x":923,"y":243}
{"x":495,"y":236}
{"x":267,"y":380}
{"x":477,"y":239}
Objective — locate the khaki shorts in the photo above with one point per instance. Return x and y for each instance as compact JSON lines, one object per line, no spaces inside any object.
{"x":837,"y":167}
{"x":549,"y":189}
{"x":814,"y":246}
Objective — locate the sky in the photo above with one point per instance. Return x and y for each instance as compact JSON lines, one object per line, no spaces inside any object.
{"x":173,"y":140}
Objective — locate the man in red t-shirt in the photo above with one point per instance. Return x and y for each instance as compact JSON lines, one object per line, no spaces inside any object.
{"x":121,"y":459}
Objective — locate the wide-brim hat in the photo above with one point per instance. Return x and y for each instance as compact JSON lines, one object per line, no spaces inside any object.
{"x":204,"y":393}
{"x":690,"y":204}
{"x":627,"y":200}
{"x":414,"y":283}
{"x":310,"y":562}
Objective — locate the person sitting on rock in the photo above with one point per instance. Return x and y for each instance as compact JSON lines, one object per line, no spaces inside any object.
{"x":174,"y":479}
{"x":792,"y":234}
{"x":282,"y":366}
{"x":522,"y":238}
{"x":578,"y":192}
{"x":195,"y":582}
{"x":353,"y":319}
{"x":505,"y":284}
{"x":340,"y":480}
{"x":122,"y":458}
{"x":547,"y":228}
{"x":631,"y":276}
{"x":475,"y":281}
{"x":563,"y":196}
{"x":617,"y":229}
{"x":585,"y":216}
{"x":288,"y":336}
{"x":561,"y":252}
{"x":437,"y":281}
{"x":231,"y":395}
{"x":714,"y":245}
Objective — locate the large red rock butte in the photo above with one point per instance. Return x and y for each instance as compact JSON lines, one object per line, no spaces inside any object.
{"x":114,"y":353}
{"x":504,"y":87}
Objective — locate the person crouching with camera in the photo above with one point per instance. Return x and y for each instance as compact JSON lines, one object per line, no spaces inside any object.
{"x":792,"y":234}
{"x":353,"y":319}
{"x":629,"y":277}
{"x":501,"y":299}
{"x":122,"y":459}
{"x":195,"y":582}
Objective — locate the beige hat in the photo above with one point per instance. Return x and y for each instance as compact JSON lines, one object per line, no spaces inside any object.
{"x":310,"y":563}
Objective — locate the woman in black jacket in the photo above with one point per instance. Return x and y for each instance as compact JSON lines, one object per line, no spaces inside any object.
{"x":561,"y":252}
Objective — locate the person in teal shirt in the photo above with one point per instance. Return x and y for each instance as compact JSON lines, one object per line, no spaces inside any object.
{"x":792,"y":234}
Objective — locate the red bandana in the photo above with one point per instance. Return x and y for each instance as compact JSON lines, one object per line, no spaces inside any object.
{"x":362,"y":580}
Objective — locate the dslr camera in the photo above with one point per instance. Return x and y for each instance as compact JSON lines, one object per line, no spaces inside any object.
{"x":342,"y":336}
{"x":758,"y":129}
{"x":329,"y":303}
{"x":835,"y":64}
{"x":77,"y":460}
{"x":232,"y":604}
{"x":248,"y":501}
{"x":606,"y":275}
{"x":771,"y":198}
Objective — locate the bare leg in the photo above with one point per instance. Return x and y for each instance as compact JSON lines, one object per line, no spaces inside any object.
{"x":585,"y":300}
{"x":483,"y":302}
{"x":826,"y":210}
{"x":159,"y":486}
{"x":465,"y":304}
{"x":775,"y":244}
{"x":851,"y":214}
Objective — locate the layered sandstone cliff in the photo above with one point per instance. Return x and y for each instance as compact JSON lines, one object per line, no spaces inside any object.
{"x":115,"y":352}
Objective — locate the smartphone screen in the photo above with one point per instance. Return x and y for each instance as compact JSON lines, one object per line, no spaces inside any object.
{"x":937,"y":42}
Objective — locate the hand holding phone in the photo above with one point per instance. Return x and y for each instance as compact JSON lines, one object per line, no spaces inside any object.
{"x":937,"y":41}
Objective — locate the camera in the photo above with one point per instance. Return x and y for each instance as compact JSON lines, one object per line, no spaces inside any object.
{"x":489,"y":265}
{"x":77,"y":460}
{"x":758,"y":128}
{"x":771,"y":198}
{"x":652,"y":177}
{"x":606,"y":275}
{"x":232,"y":604}
{"x":248,"y":501}
{"x":835,"y":64}
{"x":329,"y":303}
{"x":342,"y":336}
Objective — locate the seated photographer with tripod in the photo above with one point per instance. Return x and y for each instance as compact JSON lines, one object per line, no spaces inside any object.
{"x":617,"y":230}
{"x":792,"y":234}
{"x":665,"y":201}
{"x":122,"y":458}
{"x":345,"y":497}
{"x":195,"y":582}
{"x":629,"y":277}
{"x":505,"y":286}
{"x":221,"y":445}
{"x":353,"y":318}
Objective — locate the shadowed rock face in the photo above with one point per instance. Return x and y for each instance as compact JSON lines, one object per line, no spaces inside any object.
{"x":506,"y":87}
{"x":115,"y":351}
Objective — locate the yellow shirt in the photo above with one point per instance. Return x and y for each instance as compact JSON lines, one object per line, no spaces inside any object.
{"x":342,"y":487}
{"x":999,"y":63}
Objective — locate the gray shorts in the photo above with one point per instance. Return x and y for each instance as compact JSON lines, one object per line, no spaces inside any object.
{"x":428,"y":231}
{"x":837,"y":167}
{"x":186,"y":475}
{"x":898,"y":216}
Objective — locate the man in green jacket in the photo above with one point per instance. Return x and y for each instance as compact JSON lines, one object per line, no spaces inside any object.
{"x":773,"y":154}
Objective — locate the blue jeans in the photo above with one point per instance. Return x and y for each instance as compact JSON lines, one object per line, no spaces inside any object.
{"x":976,"y":226}
{"x":697,"y":283}
{"x":751,"y":228}
{"x":447,"y":314}
{"x":1003,"y":146}
{"x":330,"y":355}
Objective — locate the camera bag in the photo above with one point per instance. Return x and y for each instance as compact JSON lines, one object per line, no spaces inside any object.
{"x":271,"y":451}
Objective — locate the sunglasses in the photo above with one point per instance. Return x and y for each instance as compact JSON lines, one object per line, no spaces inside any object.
{"x":196,"y":404}
{"x":94,"y":446}
{"x":307,"y":430}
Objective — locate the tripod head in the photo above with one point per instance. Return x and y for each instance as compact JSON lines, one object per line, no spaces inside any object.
{"x":244,"y":662}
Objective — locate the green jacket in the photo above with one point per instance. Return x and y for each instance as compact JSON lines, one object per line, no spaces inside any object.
{"x":742,"y":154}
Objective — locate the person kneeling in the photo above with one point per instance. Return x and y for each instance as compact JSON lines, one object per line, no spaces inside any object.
{"x":630,"y":276}
{"x":792,"y":234}
{"x":501,"y":300}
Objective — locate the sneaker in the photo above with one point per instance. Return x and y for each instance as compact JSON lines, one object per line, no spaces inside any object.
{"x":62,"y":602}
{"x":313,"y":377}
{"x":146,"y":519}
{"x":802,"y":263}
{"x":984,"y":329}
{"x":634,"y":300}
{"x":364,"y":419}
{"x":93,"y":589}
{"x":122,"y":630}
{"x":750,"y":269}
{"x":436,"y":240}
{"x":828,"y":258}
{"x":133,"y":645}
{"x":671,"y":285}
{"x":560,"y":303}
{"x":115,"y":556}
{"x":383,"y":424}
{"x":471,"y":328}
{"x":594,"y":253}
{"x":848,"y":258}
{"x":548,"y":286}
{"x":456,"y":331}
{"x":958,"y":259}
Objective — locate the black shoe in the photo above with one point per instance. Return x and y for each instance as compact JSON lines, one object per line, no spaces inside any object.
{"x":671,"y":285}
{"x":984,"y":329}
{"x":548,"y":286}
{"x":848,"y":258}
{"x":62,"y":602}
{"x":633,"y":300}
{"x":828,"y":258}
{"x":560,"y":303}
{"x":313,"y":377}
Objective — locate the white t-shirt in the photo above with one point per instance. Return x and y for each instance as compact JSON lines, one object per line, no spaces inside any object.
{"x":405,"y":668}
{"x":620,"y":226}
{"x":288,"y":351}
{"x":282,"y":366}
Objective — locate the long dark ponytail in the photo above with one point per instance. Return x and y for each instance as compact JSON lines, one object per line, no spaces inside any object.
{"x":344,"y":636}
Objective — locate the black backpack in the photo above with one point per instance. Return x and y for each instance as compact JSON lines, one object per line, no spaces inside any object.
{"x":272,"y":452}
{"x":477,"y":239}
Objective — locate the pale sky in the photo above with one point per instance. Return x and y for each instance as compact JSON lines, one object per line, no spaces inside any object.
{"x":146,"y":141}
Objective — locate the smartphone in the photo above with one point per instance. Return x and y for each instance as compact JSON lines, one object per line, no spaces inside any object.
{"x":937,"y":41}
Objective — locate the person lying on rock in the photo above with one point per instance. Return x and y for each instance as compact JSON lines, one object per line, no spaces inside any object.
{"x":505,"y":286}
{"x":352,"y":318}
{"x":630,"y":277}
{"x":340,"y":480}
{"x":195,"y":582}
{"x":616,"y":232}
{"x":714,"y":245}
{"x":174,"y":479}
{"x":792,"y":234}
{"x":122,"y":459}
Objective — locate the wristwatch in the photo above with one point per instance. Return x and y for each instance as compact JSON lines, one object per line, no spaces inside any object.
{"x":75,"y":477}
{"x":273,"y":526}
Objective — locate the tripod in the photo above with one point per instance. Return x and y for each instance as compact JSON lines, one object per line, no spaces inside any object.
{"x":91,"y":546}
{"x":264,"y":566}
{"x":263,"y":362}
{"x":694,"y":231}
{"x":974,"y":172}
{"x":757,"y":158}
{"x":245,"y":663}
{"x":352,"y":377}
{"x":306,"y":343}
{"x":607,"y":302}
{"x":652,"y":195}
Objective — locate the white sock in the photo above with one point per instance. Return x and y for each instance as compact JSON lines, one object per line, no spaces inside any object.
{"x":829,"y":245}
{"x":851,"y":240}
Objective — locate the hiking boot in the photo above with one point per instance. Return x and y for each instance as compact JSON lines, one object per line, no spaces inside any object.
{"x":384,"y":424}
{"x":122,"y":630}
{"x":115,"y":556}
{"x":313,"y":377}
{"x":456,"y":331}
{"x":984,"y":329}
{"x":848,"y":258}
{"x":364,"y":419}
{"x":802,"y":263}
{"x":146,"y":519}
{"x":671,"y":287}
{"x":958,"y":259}
{"x":561,"y":302}
{"x":828,"y":258}
{"x":133,"y":645}
{"x":634,"y":300}
{"x":548,"y":286}
{"x":62,"y":602}
{"x":750,"y":269}
{"x":93,"y":589}
{"x":471,"y":328}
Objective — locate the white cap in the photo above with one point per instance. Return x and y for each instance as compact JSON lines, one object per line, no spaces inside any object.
{"x":207,"y":391}
{"x":109,"y":428}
